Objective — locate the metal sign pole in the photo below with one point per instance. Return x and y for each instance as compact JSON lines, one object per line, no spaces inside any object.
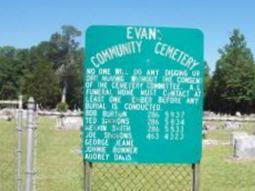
{"x":87,"y":175}
{"x":29,"y":158}
{"x":195,"y":176}
{"x":19,"y":147}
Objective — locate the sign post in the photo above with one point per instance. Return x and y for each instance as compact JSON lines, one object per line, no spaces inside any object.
{"x":195,"y":177}
{"x":87,"y":175}
{"x":143,"y":95}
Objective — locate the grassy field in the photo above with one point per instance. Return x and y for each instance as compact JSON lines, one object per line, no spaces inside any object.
{"x":60,"y":168}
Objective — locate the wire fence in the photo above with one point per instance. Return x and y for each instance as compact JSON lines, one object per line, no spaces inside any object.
{"x":130,"y":177}
{"x":59,"y":166}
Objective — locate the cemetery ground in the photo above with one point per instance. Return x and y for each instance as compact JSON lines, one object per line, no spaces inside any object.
{"x":59,"y":166}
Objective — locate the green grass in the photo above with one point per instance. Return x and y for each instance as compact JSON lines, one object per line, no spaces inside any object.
{"x":7,"y":155}
{"x":60,"y":167}
{"x":59,"y":163}
{"x":219,"y":171}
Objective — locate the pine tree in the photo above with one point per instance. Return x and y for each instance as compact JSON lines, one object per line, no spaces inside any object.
{"x":232,"y":87}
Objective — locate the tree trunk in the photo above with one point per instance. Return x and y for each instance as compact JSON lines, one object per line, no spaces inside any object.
{"x":63,"y":97}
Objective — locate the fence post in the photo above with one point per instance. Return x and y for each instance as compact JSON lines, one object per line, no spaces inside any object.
{"x":195,"y":177}
{"x":29,"y":154}
{"x":87,"y":175}
{"x":19,"y":146}
{"x":35,"y":139}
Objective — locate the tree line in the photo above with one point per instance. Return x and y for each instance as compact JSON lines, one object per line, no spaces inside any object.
{"x":52,"y":72}
{"x":232,"y":85}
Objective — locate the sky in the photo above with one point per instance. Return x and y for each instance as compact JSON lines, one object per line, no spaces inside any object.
{"x":24,"y":23}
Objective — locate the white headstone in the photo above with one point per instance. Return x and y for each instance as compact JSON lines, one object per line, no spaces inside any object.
{"x":244,"y":147}
{"x":235,"y":135}
{"x":233,"y":125}
{"x":69,"y":122}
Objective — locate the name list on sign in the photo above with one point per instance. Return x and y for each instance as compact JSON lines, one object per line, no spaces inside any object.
{"x":144,"y":91}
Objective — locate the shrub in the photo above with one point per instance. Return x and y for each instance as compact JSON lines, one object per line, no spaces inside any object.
{"x":62,"y":107}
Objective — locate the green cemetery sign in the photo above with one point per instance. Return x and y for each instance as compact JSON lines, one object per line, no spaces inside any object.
{"x":143,"y":95}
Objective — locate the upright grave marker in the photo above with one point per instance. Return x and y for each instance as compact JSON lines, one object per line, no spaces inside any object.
{"x":143,"y":95}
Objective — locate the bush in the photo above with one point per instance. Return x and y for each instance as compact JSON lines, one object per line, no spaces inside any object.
{"x":62,"y":107}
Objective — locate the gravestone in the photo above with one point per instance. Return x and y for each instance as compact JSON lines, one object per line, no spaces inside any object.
{"x":69,"y":122}
{"x":233,"y":125}
{"x":244,"y":147}
{"x":236,"y":135}
{"x":238,"y":114}
{"x":8,"y":114}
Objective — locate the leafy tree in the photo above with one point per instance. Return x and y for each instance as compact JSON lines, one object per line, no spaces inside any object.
{"x":11,"y":67}
{"x":42,"y":84}
{"x":74,"y":93}
{"x":232,"y":87}
{"x":66,"y":47}
{"x":207,"y":82}
{"x":8,"y":52}
{"x":45,"y":69}
{"x":65,"y":56}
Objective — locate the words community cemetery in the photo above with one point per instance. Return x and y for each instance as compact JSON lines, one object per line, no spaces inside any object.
{"x":143,"y":95}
